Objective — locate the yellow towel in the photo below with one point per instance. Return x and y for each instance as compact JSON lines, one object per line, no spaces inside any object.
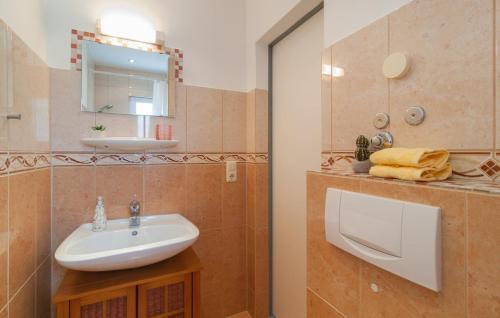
{"x":410,"y":157}
{"x":411,"y":173}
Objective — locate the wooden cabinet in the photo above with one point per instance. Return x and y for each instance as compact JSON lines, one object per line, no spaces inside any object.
{"x":119,"y":303}
{"x":166,"y":298}
{"x":169,"y":289}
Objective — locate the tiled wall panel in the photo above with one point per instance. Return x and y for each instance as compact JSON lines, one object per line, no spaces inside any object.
{"x":362,"y":91}
{"x":25,"y":214}
{"x":442,"y":37}
{"x":451,"y":45}
{"x":470,"y":240}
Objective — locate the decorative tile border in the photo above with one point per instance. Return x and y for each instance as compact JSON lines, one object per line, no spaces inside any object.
{"x":78,"y":36}
{"x":18,"y":162}
{"x":466,"y":165}
{"x":89,"y":159}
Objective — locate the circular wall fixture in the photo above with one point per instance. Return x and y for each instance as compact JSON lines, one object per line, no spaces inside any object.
{"x":396,"y":66}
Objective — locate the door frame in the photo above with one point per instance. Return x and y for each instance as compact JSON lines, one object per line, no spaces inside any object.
{"x":270,"y":47}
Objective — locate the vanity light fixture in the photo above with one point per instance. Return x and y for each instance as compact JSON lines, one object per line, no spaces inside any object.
{"x":128,"y":26}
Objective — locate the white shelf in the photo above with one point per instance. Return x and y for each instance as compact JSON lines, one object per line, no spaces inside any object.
{"x":128,"y":143}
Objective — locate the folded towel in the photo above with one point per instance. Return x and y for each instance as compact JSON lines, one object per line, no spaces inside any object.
{"x":412,"y":173}
{"x":410,"y":157}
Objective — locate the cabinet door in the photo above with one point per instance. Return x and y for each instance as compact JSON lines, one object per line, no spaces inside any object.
{"x":168,"y":298}
{"x":119,"y":303}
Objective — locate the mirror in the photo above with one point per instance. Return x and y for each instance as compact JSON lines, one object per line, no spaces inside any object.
{"x":123,"y":80}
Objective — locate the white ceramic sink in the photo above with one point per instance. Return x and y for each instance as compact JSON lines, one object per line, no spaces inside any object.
{"x":128,"y":143}
{"x":120,"y":247}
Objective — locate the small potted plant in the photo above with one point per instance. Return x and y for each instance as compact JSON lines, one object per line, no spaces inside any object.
{"x":98,"y":131}
{"x":361,"y":162}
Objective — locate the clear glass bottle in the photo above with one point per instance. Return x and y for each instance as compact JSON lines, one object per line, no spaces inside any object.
{"x":99,"y":223}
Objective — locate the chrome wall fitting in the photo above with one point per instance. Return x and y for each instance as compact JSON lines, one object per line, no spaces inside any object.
{"x":381,"y":120}
{"x":415,"y":115}
{"x":382,"y":140}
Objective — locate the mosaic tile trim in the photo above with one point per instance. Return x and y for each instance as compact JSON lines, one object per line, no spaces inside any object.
{"x":89,"y":159}
{"x":78,"y":36}
{"x":17,"y":162}
{"x":466,"y":165}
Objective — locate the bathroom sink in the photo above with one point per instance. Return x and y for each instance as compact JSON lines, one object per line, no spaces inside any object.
{"x":120,"y":247}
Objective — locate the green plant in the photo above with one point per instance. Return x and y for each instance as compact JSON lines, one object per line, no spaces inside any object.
{"x":98,"y":127}
{"x":361,"y":153}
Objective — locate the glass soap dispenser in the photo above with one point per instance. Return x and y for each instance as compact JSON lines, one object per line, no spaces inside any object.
{"x":99,"y":223}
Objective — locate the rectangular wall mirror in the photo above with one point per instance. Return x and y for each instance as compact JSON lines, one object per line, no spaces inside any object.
{"x":121,"y":80}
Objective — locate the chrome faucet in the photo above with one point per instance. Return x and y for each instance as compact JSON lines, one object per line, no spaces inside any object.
{"x":135,"y":209}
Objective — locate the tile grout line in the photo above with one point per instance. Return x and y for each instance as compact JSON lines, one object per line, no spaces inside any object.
{"x":8,"y":242}
{"x":18,"y":291}
{"x":466,"y":248}
{"x":388,"y":80}
{"x":326,"y":302}
{"x":494,"y":154}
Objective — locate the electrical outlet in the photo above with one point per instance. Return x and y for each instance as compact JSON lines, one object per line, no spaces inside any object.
{"x":231,"y":175}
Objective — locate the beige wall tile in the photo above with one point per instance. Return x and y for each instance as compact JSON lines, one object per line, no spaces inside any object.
{"x":326,"y":102}
{"x":204,"y":197}
{"x":4,"y":34}
{"x":120,"y":125}
{"x":165,"y":189}
{"x":443,"y":37}
{"x":118,"y":185}
{"x":398,"y":295}
{"x":261,"y":120}
{"x":204,"y":119}
{"x":261,"y":196}
{"x":234,"y":199}
{"x":251,"y":195}
{"x":251,"y":121}
{"x":31,"y":101}
{"x":41,"y":182}
{"x":363,"y":90}
{"x":178,"y":123}
{"x":233,"y":290}
{"x":68,"y":123}
{"x":250,"y":246}
{"x":23,"y":304}
{"x":4,"y":234}
{"x":209,"y":248}
{"x":317,"y":308}
{"x":331,"y":273}
{"x":261,"y":304}
{"x":22,"y":224}
{"x":483,"y":270}
{"x":74,"y":200}
{"x":251,"y":302}
{"x":43,"y":292}
{"x":234,"y":126}
{"x":261,"y":272}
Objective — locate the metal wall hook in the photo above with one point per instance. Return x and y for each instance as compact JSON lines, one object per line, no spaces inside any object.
{"x":14,"y":116}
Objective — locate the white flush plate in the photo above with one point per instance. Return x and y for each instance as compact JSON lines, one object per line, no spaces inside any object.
{"x":401,"y":237}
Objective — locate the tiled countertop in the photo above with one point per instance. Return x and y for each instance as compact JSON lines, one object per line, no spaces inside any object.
{"x":453,"y":182}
